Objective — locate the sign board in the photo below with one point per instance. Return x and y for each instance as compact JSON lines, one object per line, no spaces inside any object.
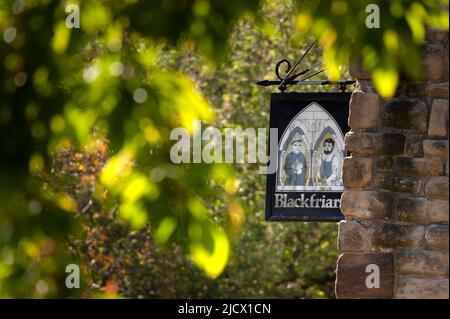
{"x":307,"y":184}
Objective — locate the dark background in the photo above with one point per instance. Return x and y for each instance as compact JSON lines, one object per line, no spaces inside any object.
{"x":283,"y":108}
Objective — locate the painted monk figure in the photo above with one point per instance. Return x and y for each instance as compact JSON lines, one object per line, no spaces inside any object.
{"x":295,"y":165}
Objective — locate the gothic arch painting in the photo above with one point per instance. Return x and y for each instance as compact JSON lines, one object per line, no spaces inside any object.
{"x":310,"y":153}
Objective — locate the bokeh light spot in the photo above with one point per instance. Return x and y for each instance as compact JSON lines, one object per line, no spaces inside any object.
{"x":20,"y":79}
{"x":10,"y":34}
{"x":140,"y":95}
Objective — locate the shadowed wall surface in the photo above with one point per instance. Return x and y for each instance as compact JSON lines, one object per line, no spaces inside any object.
{"x":396,"y":198}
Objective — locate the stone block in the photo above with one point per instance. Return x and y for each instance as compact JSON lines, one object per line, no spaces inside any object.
{"x":437,"y":187}
{"x":397,"y":183}
{"x":435,"y":148}
{"x":357,"y":172}
{"x":420,"y":166}
{"x":405,"y":114}
{"x":367,"y":204}
{"x":353,"y":271}
{"x":353,"y":236}
{"x":434,"y":63}
{"x":391,"y":235}
{"x":422,"y":210}
{"x":438,"y":125}
{"x":421,"y":288}
{"x":422,"y":262}
{"x":436,"y":236}
{"x":374,"y":143}
{"x":364,"y":110}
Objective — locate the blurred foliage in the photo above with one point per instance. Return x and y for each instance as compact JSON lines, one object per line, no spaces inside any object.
{"x":268,"y":259}
{"x":386,"y":52}
{"x":130,"y":263}
{"x":59,"y":86}
{"x":85,"y":118}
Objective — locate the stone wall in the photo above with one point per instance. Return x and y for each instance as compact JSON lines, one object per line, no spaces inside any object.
{"x":396,"y":198}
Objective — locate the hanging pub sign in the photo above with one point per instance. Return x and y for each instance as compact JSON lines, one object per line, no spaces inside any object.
{"x":307,"y":184}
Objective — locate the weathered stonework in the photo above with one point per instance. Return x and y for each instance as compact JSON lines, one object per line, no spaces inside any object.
{"x":397,"y":183}
{"x":357,"y":172}
{"x":396,"y":198}
{"x":404,"y":114}
{"x":434,"y":63}
{"x":427,"y":166}
{"x":393,"y":235}
{"x":353,"y":236}
{"x":364,"y":113}
{"x":383,"y":163}
{"x":414,"y":145}
{"x":421,"y":288}
{"x":351,"y":270}
{"x":421,"y":210}
{"x":438,"y":125}
{"x":436,"y":236}
{"x":374,"y":143}
{"x":421,"y":262}
{"x":435,"y":148}
{"x":437,"y":187}
{"x":367,"y":205}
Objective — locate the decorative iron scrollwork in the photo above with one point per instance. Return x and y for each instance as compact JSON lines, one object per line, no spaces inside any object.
{"x":277,"y":68}
{"x":289,"y":79}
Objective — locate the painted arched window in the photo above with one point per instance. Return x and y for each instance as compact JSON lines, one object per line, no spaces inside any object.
{"x":316,"y":163}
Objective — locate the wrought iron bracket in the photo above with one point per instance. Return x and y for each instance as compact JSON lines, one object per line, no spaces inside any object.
{"x":291,"y":79}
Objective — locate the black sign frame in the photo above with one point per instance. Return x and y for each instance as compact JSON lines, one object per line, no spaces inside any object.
{"x":283,"y":108}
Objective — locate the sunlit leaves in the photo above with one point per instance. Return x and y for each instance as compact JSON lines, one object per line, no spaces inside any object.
{"x":339,"y":24}
{"x":117,"y":168}
{"x":209,"y":248}
{"x":236,"y":216}
{"x":165,"y":229}
{"x":36,"y":163}
{"x":96,"y":16}
{"x":135,"y":213}
{"x":391,"y":41}
{"x":61,"y":87}
{"x":61,"y":38}
{"x":193,"y":200}
{"x":81,"y":121}
{"x":386,"y":80}
{"x":177,"y":96}
{"x":204,"y":23}
{"x":66,"y":203}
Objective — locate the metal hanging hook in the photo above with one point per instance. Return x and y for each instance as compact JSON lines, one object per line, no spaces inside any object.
{"x":289,"y":78}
